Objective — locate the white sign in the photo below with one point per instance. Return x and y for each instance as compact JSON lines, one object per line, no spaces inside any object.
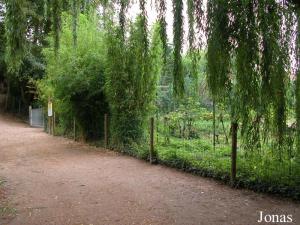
{"x":50,"y":113}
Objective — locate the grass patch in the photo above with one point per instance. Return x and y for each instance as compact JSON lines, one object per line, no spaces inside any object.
{"x":261,"y":172}
{"x":6,"y":210}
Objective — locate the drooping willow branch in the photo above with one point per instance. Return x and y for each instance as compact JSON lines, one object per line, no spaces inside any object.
{"x":200,"y":20}
{"x":191,"y":21}
{"x":218,"y":48}
{"x":298,"y":84}
{"x":122,"y":16}
{"x":161,"y":6}
{"x":248,"y":61}
{"x":177,"y":41}
{"x":15,"y":26}
{"x":193,"y":48}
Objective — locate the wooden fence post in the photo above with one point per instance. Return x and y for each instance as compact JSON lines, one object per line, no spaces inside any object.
{"x":74,"y":128}
{"x":19,"y":106}
{"x":214,"y":125}
{"x":49,"y":126}
{"x":44,"y":120}
{"x":234,"y":127}
{"x":151,"y":140}
{"x":53,"y":124}
{"x":105,"y":130}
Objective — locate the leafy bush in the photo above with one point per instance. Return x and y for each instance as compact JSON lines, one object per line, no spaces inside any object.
{"x":75,"y":77}
{"x":131,"y":75}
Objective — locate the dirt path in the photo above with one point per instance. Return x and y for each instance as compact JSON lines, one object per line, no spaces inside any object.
{"x":52,"y":180}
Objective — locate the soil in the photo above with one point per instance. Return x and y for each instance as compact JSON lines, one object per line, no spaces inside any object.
{"x":56,"y":181}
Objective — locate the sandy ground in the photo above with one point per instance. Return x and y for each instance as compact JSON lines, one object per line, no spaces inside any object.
{"x":55,"y":181}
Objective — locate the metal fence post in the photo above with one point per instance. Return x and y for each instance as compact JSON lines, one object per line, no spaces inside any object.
{"x":151,"y":140}
{"x":105,"y":130}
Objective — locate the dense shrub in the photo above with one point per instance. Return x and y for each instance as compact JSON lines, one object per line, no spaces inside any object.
{"x":75,"y":78}
{"x":132,"y":68}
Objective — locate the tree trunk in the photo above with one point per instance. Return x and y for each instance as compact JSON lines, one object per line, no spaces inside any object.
{"x":223,"y":126}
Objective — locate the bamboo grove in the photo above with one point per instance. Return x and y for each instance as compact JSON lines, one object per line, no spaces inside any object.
{"x":252,"y":55}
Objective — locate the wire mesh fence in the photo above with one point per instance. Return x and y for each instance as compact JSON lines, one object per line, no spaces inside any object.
{"x":198,"y":142}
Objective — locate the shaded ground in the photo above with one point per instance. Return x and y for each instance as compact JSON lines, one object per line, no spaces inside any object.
{"x":52,"y":180}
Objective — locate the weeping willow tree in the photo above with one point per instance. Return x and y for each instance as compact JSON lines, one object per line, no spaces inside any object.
{"x":15,"y":36}
{"x":19,"y":16}
{"x":298,"y":83}
{"x":246,"y":69}
{"x":15,"y":27}
{"x":218,"y":60}
{"x":275,"y":72}
{"x":248,"y":62}
{"x":218,"y":48}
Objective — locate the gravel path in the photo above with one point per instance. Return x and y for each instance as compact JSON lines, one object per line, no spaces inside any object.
{"x":55,"y":181}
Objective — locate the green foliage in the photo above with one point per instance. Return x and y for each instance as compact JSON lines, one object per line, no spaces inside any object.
{"x":56,"y":18}
{"x":132,"y":71}
{"x":178,"y":77}
{"x":161,"y":6}
{"x":75,"y":76}
{"x":200,"y":19}
{"x":260,"y":171}
{"x":218,"y":48}
{"x":297,"y":89}
{"x":156,"y":51}
{"x":122,"y":17}
{"x":75,"y":9}
{"x":120,"y":70}
{"x":275,"y":60}
{"x":191,"y":19}
{"x":15,"y":24}
{"x":248,"y":63}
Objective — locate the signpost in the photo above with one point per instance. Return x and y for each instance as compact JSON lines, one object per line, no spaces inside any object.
{"x":50,"y":114}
